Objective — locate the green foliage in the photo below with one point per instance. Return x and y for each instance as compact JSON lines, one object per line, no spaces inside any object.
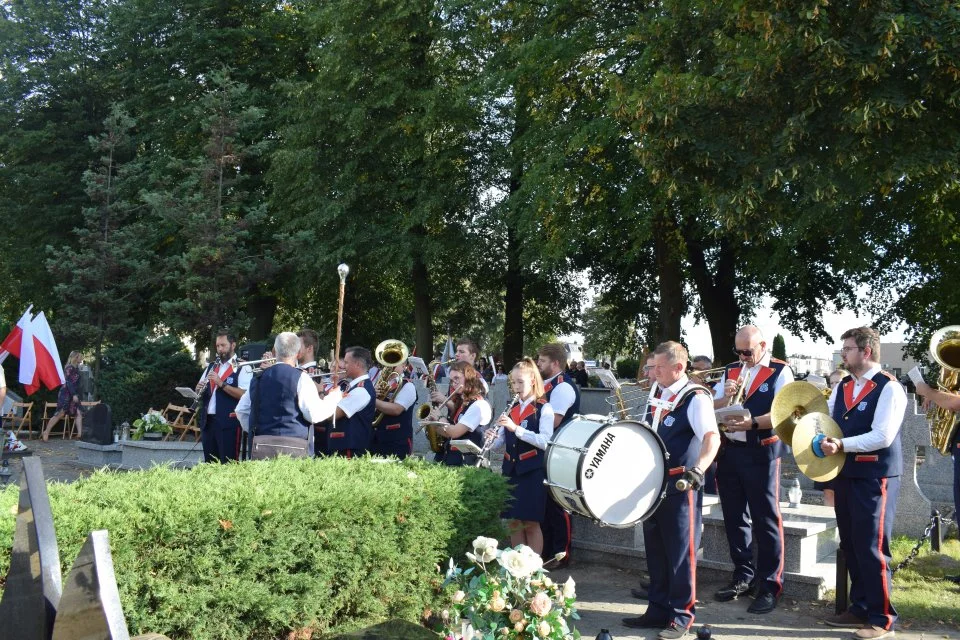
{"x":627,"y":367}
{"x":256,"y":550}
{"x":779,"y":349}
{"x":141,"y":374}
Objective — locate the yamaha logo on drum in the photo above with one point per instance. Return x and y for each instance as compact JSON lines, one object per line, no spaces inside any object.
{"x":598,"y":458}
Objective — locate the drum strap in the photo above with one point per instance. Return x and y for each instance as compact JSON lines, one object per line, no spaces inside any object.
{"x":675,"y":402}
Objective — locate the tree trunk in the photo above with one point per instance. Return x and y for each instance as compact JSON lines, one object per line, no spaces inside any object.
{"x":422,"y":310}
{"x":717,"y":293}
{"x":669,"y":276}
{"x":513,"y":285}
{"x":262,"y":309}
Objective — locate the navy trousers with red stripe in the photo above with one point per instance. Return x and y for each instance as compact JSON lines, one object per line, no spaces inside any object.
{"x":556,"y":530}
{"x":747,"y":480}
{"x":221,"y":442}
{"x":865,"y":510}
{"x":670,"y":539}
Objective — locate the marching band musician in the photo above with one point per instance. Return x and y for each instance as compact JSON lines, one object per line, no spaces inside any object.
{"x":288,"y":402}
{"x":471,"y":412}
{"x":564,"y":398}
{"x":527,"y":429}
{"x":219,"y":428}
{"x":869,"y":405}
{"x":321,"y":428}
{"x":748,"y":472}
{"x":672,"y":535}
{"x":466,"y":351}
{"x":950,"y":402}
{"x":351,"y":431}
{"x":394,"y":435}
{"x":307,"y":356}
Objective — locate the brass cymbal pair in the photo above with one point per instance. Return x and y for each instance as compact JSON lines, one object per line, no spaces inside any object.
{"x":800,"y":414}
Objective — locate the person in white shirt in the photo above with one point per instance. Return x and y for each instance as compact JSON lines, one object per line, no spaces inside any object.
{"x":223,"y":386}
{"x":748,"y":472}
{"x":393,"y":435}
{"x":286,"y":398}
{"x":869,"y":405}
{"x":351,"y":432}
{"x":467,"y":351}
{"x":469,"y":414}
{"x":524,"y":433}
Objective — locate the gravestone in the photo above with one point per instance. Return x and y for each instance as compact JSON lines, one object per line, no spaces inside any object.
{"x":32,"y":590}
{"x":913,"y":507}
{"x":98,"y":425}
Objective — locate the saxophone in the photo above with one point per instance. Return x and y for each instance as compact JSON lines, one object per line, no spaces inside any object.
{"x":945,"y":351}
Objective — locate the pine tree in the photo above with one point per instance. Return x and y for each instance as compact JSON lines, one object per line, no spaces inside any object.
{"x":779,"y":349}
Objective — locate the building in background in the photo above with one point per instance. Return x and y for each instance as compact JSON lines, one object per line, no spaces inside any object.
{"x":809,"y":364}
{"x":893,"y":357}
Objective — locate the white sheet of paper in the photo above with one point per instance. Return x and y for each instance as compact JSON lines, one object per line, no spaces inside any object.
{"x":465,"y":446}
{"x":187,"y":392}
{"x":729,"y":414}
{"x":419,"y":366}
{"x":915,"y":375}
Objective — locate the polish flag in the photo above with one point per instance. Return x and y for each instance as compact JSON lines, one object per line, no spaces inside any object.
{"x":11,"y":344}
{"x":46,"y":367}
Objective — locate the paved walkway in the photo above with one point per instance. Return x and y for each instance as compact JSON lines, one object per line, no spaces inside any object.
{"x":603,"y":593}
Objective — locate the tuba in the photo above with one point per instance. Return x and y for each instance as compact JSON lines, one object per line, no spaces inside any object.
{"x":945,"y":351}
{"x":389,"y":354}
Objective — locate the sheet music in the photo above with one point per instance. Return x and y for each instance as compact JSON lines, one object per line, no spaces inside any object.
{"x":915,"y":375}
{"x":419,"y":366}
{"x":729,"y":414}
{"x":187,"y":392}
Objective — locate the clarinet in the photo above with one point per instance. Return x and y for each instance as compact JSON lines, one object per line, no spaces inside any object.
{"x":205,"y":380}
{"x":490,"y":436}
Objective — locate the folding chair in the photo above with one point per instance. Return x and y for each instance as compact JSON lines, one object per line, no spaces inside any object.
{"x":178,"y":418}
{"x":13,"y":421}
{"x":50,"y":410}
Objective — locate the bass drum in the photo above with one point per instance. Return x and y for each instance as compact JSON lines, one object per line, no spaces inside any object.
{"x":611,"y":472}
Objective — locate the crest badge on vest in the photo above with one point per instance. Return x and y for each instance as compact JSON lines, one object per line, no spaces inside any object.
{"x":668,"y":421}
{"x":862,"y":406}
{"x":764,"y":388}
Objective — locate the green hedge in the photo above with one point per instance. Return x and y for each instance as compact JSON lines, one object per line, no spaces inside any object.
{"x":258,"y":549}
{"x":627,"y":368}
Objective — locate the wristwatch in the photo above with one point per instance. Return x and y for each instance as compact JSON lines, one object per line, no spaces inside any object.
{"x":754,"y":424}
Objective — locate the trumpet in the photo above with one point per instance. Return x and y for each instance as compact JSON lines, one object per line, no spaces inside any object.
{"x":326,"y":375}
{"x":261,"y":361}
{"x":491,"y":435}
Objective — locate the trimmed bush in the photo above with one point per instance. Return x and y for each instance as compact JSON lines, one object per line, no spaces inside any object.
{"x":259,"y":549}
{"x":627,"y":368}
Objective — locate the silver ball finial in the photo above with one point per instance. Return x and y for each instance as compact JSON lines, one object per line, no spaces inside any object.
{"x":342,"y":271}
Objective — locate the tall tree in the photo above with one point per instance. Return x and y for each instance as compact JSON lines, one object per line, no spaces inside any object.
{"x":779,"y":349}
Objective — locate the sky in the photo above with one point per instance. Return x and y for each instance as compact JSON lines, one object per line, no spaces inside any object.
{"x":698,"y":336}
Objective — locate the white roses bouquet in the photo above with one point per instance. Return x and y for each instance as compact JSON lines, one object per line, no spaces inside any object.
{"x":151,"y":422}
{"x":509,"y":599}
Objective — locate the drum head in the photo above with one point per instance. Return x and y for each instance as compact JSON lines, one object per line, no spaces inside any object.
{"x":623,"y":474}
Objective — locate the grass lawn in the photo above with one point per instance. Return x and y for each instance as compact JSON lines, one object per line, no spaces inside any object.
{"x":920,"y":593}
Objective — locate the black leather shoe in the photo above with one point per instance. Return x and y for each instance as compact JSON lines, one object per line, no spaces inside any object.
{"x":640,"y":594}
{"x":732,"y":591}
{"x":644,"y":622}
{"x":765,"y":603}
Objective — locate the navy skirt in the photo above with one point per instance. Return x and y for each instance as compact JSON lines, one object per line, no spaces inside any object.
{"x":528,"y":496}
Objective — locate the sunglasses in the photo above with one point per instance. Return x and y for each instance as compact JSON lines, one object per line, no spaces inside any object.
{"x":746,"y":353}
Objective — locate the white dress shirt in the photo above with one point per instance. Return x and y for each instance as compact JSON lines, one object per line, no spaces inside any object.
{"x":891,"y":406}
{"x":699,"y":408}
{"x":243,"y":381}
{"x":476,"y":415}
{"x":785,"y":377}
{"x":407,"y":395}
{"x":562,"y":396}
{"x":539,"y":440}
{"x":355,"y":398}
{"x":308,"y":401}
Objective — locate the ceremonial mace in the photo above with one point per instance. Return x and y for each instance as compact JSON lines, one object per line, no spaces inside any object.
{"x":342,"y":271}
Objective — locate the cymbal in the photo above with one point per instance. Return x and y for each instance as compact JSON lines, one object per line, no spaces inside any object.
{"x":791,"y":403}
{"x":812,"y":466}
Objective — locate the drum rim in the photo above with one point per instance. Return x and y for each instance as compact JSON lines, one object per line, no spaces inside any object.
{"x":661,"y":495}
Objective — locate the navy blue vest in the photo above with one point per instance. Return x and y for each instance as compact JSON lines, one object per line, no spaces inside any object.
{"x":278,"y":411}
{"x":521,"y":457}
{"x":452,"y":457}
{"x":575,"y":407}
{"x":683,"y":446}
{"x":765,"y":442}
{"x":225,"y":410}
{"x":355,"y":432}
{"x":396,"y":428}
{"x":883,"y":463}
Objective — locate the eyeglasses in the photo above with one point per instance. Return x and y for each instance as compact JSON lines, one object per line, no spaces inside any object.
{"x":648,"y":368}
{"x":849,"y":349}
{"x":746,"y":353}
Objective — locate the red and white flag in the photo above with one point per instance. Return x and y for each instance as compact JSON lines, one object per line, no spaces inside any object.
{"x":32,"y":342}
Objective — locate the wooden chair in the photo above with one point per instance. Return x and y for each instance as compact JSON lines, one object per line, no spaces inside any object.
{"x":13,"y":421}
{"x":50,"y":410}
{"x":183,"y":420}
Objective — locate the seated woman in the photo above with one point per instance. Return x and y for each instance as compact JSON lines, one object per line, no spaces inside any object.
{"x":68,"y":399}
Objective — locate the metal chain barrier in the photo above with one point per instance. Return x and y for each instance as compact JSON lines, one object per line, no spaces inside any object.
{"x":934,"y":519}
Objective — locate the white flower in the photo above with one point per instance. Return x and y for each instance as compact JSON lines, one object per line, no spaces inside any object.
{"x":451,"y":571}
{"x":459,"y":597}
{"x":471,"y":557}
{"x":543,"y":629}
{"x":569,"y":588}
{"x":519,"y":563}
{"x":411,"y":475}
{"x":485,"y":549}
